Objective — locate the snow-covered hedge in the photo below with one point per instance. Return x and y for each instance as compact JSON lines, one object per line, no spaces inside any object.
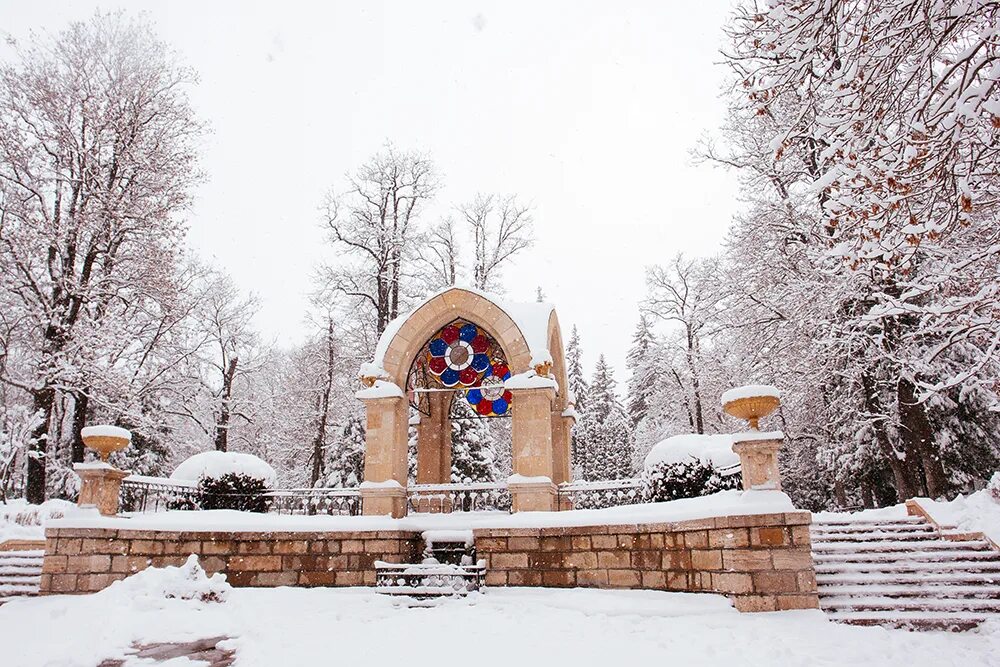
{"x":690,"y":465}
{"x":229,"y":480}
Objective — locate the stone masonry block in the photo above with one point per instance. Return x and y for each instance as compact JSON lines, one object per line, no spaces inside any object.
{"x":746,"y":560}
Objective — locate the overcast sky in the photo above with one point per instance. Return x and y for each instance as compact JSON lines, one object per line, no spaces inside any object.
{"x":588,"y":110}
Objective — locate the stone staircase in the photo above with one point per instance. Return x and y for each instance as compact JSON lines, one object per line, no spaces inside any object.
{"x":20,"y":573}
{"x":903,"y":573}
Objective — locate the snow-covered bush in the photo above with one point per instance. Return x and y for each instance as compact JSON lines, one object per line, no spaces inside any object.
{"x":994,"y":486}
{"x":686,"y":466}
{"x":229,"y":480}
{"x":187,"y":582}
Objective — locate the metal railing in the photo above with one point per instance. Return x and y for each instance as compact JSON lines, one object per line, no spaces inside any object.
{"x":152,"y":494}
{"x":600,"y":495}
{"x":471,"y":497}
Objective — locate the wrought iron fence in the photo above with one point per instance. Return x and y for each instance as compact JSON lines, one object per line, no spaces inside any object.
{"x":599,"y":495}
{"x":471,"y":497}
{"x":151,"y":494}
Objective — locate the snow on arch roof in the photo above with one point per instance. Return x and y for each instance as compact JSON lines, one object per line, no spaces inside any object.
{"x":532,"y":318}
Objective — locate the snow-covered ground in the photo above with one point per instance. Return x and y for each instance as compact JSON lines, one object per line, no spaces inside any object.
{"x":578,"y":627}
{"x":21,"y":521}
{"x":977,"y":512}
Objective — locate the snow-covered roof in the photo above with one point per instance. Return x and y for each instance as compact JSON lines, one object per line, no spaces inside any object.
{"x":531,"y":318}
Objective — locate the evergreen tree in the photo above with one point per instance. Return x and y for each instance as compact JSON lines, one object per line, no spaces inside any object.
{"x":604,"y":448}
{"x":574,"y":370}
{"x":641,"y":361}
{"x":472,"y":455}
{"x":348,"y":461}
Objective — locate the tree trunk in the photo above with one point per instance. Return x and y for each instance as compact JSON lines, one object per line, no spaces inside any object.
{"x":915,"y":430}
{"x":901,"y":472}
{"x":225,"y":409}
{"x":699,"y":419}
{"x":81,"y":404}
{"x":34,"y":490}
{"x":319,"y":442}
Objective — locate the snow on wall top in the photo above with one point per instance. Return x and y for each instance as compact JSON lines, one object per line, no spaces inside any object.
{"x":216,"y":464}
{"x":713,"y":450}
{"x":531,"y":318}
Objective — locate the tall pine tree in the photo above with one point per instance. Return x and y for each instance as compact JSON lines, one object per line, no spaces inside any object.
{"x":641,"y":362}
{"x":604,"y":448}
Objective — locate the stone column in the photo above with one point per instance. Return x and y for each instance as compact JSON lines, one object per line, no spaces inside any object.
{"x":434,"y":441}
{"x":385,"y":456}
{"x":532,"y":487}
{"x":562,"y":434}
{"x":758,"y":460}
{"x":101,"y":486}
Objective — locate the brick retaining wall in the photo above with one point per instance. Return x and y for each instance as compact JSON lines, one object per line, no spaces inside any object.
{"x":763,"y":562}
{"x":84,"y":560}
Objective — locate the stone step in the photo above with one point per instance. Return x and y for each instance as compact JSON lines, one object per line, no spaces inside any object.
{"x":861,"y":537}
{"x":875,"y":603}
{"x":877,"y":547}
{"x":18,"y":589}
{"x":20,"y":569}
{"x":940,"y":590}
{"x":29,"y":580}
{"x":906,"y":556}
{"x":940,"y":567}
{"x":904,"y":521}
{"x":908,"y":578}
{"x":915,"y":620}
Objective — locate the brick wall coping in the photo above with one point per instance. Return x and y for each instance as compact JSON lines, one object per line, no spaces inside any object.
{"x":743,"y":521}
{"x":724,"y":509}
{"x":122,"y":529}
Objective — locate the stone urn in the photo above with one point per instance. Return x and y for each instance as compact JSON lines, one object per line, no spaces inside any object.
{"x":105,"y":439}
{"x":758,"y":451}
{"x":752,"y":408}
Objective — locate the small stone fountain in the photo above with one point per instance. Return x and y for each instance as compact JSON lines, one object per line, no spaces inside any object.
{"x":100,"y":481}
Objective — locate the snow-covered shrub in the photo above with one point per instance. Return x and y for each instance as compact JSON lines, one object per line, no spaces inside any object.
{"x":229,"y":480}
{"x":187,"y":582}
{"x":686,"y":466}
{"x":670,"y":481}
{"x":994,"y":486}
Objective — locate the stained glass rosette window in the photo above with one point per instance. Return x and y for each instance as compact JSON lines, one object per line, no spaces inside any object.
{"x":463,"y":356}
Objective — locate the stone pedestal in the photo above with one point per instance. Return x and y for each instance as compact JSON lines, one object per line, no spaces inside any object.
{"x":531,"y":442}
{"x":533,"y":496}
{"x":101,"y":486}
{"x":385,"y":455}
{"x":383,"y":500}
{"x":758,"y":461}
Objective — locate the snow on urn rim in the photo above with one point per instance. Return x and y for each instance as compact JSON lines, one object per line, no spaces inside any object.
{"x":105,"y":439}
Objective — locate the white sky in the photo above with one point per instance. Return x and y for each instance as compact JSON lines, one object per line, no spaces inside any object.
{"x":586,"y":109}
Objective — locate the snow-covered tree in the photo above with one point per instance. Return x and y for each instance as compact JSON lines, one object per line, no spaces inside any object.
{"x":472,"y":448}
{"x":501,"y":229}
{"x":604,"y":443}
{"x":97,"y":163}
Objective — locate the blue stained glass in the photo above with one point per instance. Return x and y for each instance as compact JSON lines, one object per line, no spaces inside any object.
{"x":449,"y":378}
{"x":438,"y":347}
{"x":480,"y":363}
{"x":499,"y":406}
{"x":474,"y":396}
{"x":468,"y":332}
{"x":506,"y":376}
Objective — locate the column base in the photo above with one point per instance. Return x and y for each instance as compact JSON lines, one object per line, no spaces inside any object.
{"x":101,"y":486}
{"x":758,"y":462}
{"x":533,"y":496}
{"x":378,"y":500}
